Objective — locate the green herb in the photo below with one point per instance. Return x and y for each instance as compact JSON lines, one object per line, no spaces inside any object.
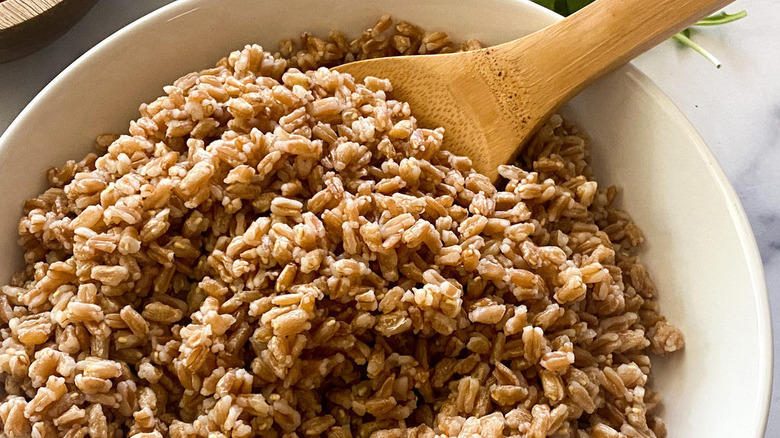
{"x":568,"y":7}
{"x":549,"y":4}
{"x":575,"y":5}
{"x":683,"y":37}
{"x":721,"y":18}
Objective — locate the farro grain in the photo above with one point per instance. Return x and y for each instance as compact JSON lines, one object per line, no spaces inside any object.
{"x":275,"y":248}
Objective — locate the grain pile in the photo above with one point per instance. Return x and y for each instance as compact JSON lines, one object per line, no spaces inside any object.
{"x":271,"y":252}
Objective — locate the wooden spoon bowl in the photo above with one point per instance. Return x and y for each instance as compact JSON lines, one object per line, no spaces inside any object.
{"x":490,"y":101}
{"x":28,"y":25}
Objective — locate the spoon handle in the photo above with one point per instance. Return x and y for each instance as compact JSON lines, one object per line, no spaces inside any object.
{"x":574,"y":52}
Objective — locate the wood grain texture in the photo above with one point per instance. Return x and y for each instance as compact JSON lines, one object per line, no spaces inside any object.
{"x":28,"y":25}
{"x":13,"y":12}
{"x":490,"y":101}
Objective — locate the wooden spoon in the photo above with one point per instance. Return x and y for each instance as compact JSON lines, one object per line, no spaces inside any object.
{"x":490,"y":101}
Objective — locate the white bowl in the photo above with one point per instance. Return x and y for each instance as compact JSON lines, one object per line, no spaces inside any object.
{"x":700,"y":251}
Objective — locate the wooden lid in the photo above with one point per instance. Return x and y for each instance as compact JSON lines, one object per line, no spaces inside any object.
{"x":28,"y":25}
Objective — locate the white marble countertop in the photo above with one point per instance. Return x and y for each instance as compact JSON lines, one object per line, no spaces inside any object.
{"x":736,"y":108}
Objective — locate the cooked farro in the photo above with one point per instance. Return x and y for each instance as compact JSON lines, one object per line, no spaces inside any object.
{"x":275,"y":249}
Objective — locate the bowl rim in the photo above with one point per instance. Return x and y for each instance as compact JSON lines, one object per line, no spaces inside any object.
{"x":747,"y":241}
{"x":735,"y":210}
